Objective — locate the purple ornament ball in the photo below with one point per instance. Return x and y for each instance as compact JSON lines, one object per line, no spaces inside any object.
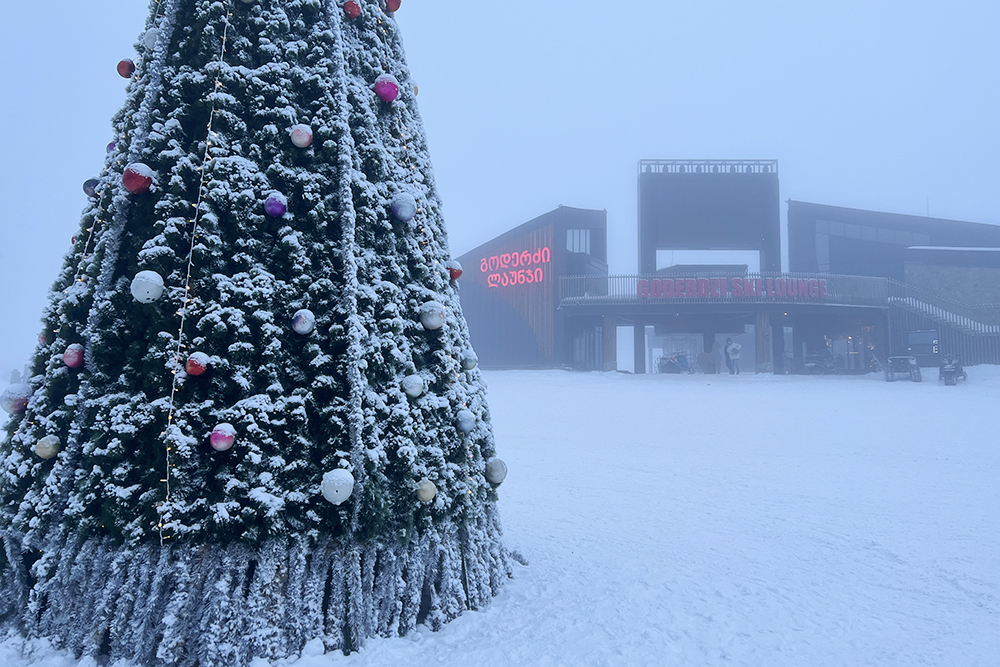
{"x":404,"y":207}
{"x":276,"y":205}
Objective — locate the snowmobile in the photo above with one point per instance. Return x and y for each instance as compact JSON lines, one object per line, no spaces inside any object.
{"x":951,"y":370}
{"x":674,"y":364}
{"x":900,"y":365}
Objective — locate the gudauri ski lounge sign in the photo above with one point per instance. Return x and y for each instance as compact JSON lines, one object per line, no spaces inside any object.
{"x":732,"y":288}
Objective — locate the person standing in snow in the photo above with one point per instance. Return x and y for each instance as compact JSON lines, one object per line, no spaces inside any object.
{"x":733,"y":352}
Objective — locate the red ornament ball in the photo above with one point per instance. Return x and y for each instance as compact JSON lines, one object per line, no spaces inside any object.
{"x":126,"y":68}
{"x":74,"y":355}
{"x":197,"y":364}
{"x":138,"y":178}
{"x":352,"y":9}
{"x":454,"y":269}
{"x":391,"y":5}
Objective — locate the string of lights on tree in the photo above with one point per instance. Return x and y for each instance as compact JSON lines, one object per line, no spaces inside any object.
{"x":147,"y":287}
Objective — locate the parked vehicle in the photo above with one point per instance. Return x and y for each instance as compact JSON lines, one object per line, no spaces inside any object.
{"x":902,"y":365}
{"x":676,"y":363}
{"x":951,"y":370}
{"x":819,"y":363}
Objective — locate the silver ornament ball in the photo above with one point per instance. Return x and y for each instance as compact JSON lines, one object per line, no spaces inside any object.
{"x":496,"y":471}
{"x":413,"y":386}
{"x":465,"y":421}
{"x":48,"y":447}
{"x":469,"y":361}
{"x":338,"y":485}
{"x":147,"y":286}
{"x":303,"y":322}
{"x":432,"y":315}
{"x":426,"y":491}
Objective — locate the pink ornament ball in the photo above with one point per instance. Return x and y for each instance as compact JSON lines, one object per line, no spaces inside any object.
{"x":302,"y":136}
{"x":90,"y":187}
{"x":138,"y":178}
{"x":126,"y":68}
{"x":352,"y":9}
{"x":275,"y":205}
{"x":454,"y":269}
{"x":387,"y":88}
{"x":222,"y":438}
{"x":73,"y":357}
{"x":392,"y":5}
{"x":197,"y":364}
{"x":14,"y":399}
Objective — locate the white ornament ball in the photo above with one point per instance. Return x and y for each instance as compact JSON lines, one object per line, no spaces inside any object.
{"x":149,"y":39}
{"x":302,"y":136}
{"x":432,"y":315}
{"x":466,"y":421}
{"x":426,"y":491}
{"x":496,"y":471}
{"x":338,"y":485}
{"x":413,"y":386}
{"x":147,"y":286}
{"x":48,"y":447}
{"x":14,"y":399}
{"x":469,"y":360}
{"x":303,"y":322}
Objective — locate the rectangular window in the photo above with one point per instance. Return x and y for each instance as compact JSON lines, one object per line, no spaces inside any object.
{"x":578,"y":240}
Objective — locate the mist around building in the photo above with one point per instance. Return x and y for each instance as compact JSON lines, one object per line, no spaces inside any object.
{"x":849,"y":292}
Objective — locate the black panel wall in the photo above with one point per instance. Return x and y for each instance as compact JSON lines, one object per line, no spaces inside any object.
{"x":709,"y":205}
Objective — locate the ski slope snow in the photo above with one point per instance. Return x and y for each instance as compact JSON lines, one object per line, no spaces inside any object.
{"x":720,"y":520}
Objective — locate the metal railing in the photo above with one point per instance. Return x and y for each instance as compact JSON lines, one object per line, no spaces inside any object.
{"x":708,"y":166}
{"x":972,"y":332}
{"x":776,"y":288}
{"x":978,"y":319}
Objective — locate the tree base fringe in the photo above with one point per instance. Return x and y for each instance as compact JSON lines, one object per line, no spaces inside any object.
{"x":224,"y":605}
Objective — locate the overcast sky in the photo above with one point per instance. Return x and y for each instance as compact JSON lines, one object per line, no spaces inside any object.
{"x":884,"y":105}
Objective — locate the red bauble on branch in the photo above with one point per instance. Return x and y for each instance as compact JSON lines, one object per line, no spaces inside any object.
{"x":352,"y":9}
{"x":74,"y":356}
{"x":391,"y":5}
{"x":138,"y":178}
{"x":454,"y":269}
{"x":197,"y":364}
{"x":126,"y":68}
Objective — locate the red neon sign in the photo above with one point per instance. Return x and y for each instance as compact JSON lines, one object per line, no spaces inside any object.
{"x":515,"y":268}
{"x":721,"y":288}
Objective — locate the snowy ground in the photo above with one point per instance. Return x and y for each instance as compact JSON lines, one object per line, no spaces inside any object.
{"x":750,"y":520}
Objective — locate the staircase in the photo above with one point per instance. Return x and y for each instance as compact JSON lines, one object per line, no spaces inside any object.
{"x":973,"y":332}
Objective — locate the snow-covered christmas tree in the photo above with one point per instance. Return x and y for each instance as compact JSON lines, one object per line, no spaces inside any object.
{"x":254,"y":419}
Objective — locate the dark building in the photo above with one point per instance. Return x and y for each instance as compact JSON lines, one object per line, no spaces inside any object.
{"x":864,"y":286}
{"x":848,"y":241}
{"x":510,"y":291}
{"x":716,"y":211}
